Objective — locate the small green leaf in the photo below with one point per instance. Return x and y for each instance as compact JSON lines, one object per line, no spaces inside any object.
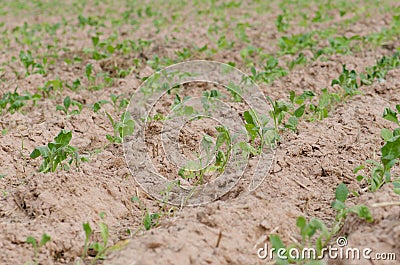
{"x":396,"y":187}
{"x":135,"y":199}
{"x":386,"y":134}
{"x":363,"y":212}
{"x":300,"y":111}
{"x":147,"y":221}
{"x":390,"y":115}
{"x":45,"y":238}
{"x":104,"y":233}
{"x":360,"y":177}
{"x":88,"y":230}
{"x":64,"y":137}
{"x":301,"y":222}
{"x":249,"y":118}
{"x":341,"y":192}
{"x":31,"y":240}
{"x":338,"y":205}
{"x":358,"y":168}
{"x":40,"y":151}
{"x":67,"y":102}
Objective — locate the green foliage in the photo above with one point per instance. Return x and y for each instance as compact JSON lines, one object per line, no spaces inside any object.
{"x":13,"y":101}
{"x":51,"y":85}
{"x":101,"y":248}
{"x":123,"y":102}
{"x":31,"y":66}
{"x":271,"y":71}
{"x":380,"y":69}
{"x":58,"y":153}
{"x":295,"y":43}
{"x":325,"y":103}
{"x":316,"y":234}
{"x":67,"y":103}
{"x":76,"y":84}
{"x":211,"y":146}
{"x":348,"y":82}
{"x":37,"y":246}
{"x":390,"y":154}
{"x":282,"y":21}
{"x":151,"y":220}
{"x":97,"y":105}
{"x":339,"y":205}
{"x":124,"y":127}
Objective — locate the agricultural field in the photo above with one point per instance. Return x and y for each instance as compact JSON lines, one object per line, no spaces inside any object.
{"x":77,"y":157}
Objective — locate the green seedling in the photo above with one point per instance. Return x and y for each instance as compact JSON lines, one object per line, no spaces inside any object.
{"x":12,"y":102}
{"x":150,"y":220}
{"x":380,"y":69}
{"x":235,"y":91}
{"x":67,"y":103}
{"x":101,"y":248}
{"x":36,"y":247}
{"x":325,"y":103}
{"x":89,"y":73}
{"x":342,"y":210}
{"x":278,"y":113}
{"x":97,"y":105}
{"x":123,"y":102}
{"x":208,"y":98}
{"x":183,"y":55}
{"x":58,"y":153}
{"x":30,"y":65}
{"x":192,"y":171}
{"x":299,"y":60}
{"x":315,"y":233}
{"x":282,"y":21}
{"x":122,"y":128}
{"x":51,"y":85}
{"x":180,"y":108}
{"x":390,"y":154}
{"x":295,"y":43}
{"x":348,"y":82}
{"x":297,"y":107}
{"x":76,"y":84}
{"x":271,"y":71}
{"x":240,"y":32}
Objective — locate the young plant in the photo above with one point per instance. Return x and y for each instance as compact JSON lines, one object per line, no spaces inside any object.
{"x":150,"y":220}
{"x":12,"y":102}
{"x":348,"y":82}
{"x":58,"y":153}
{"x":51,"y":85}
{"x":97,"y":105}
{"x":30,"y":65}
{"x":101,"y":248}
{"x":315,"y":233}
{"x":211,"y":147}
{"x":325,"y":103}
{"x":297,"y":108}
{"x":122,"y":128}
{"x":390,"y":154}
{"x":271,"y":71}
{"x":282,"y":21}
{"x":123,"y":103}
{"x":36,"y":247}
{"x":67,"y":103}
{"x":342,"y":210}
